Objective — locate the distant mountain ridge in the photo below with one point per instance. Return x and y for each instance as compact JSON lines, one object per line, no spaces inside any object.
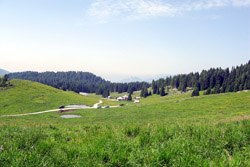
{"x":131,"y":79}
{"x":146,"y":79}
{"x":3,"y":72}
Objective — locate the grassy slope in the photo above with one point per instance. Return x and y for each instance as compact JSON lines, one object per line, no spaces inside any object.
{"x":181,"y":109}
{"x":173,"y":130}
{"x":26,"y":96}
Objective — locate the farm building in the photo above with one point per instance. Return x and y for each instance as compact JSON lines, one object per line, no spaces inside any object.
{"x":136,"y":101}
{"x":125,"y":97}
{"x":119,"y":99}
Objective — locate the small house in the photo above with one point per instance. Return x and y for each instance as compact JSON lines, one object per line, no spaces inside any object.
{"x":136,"y":101}
{"x":119,"y":99}
{"x":125,"y":97}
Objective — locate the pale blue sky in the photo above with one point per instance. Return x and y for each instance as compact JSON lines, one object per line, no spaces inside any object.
{"x":120,"y":38}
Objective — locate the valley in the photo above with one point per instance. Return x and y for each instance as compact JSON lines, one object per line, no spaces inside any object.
{"x":173,"y":129}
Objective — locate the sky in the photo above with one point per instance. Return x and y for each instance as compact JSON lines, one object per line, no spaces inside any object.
{"x":117,"y":39}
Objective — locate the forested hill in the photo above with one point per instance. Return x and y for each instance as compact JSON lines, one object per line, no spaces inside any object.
{"x":214,"y":80}
{"x":78,"y":82}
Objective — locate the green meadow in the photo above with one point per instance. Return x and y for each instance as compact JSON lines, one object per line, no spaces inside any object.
{"x":27,"y":97}
{"x":175,"y":130}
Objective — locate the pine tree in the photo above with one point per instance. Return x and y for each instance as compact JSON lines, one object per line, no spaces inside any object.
{"x":236,"y":86}
{"x":183,"y":85}
{"x":130,"y":97}
{"x":144,"y":91}
{"x":130,"y":90}
{"x":154,"y":87}
{"x":157,"y":90}
{"x":195,"y":92}
{"x":105,"y":93}
{"x":245,"y":86}
{"x":162,"y":93}
{"x":183,"y":88}
{"x":241,"y":87}
{"x":120,"y":88}
{"x":223,"y":88}
{"x":216,"y":89}
{"x":98,"y":91}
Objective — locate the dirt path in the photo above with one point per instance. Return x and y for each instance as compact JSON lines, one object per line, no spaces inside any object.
{"x":41,"y":112}
{"x":96,"y":105}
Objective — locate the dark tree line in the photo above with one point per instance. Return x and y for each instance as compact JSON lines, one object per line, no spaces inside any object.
{"x":214,"y":80}
{"x":120,"y":87}
{"x":79,"y":82}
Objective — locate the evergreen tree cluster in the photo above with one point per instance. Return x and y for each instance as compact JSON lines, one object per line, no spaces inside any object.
{"x":159,"y":87}
{"x":79,"y":82}
{"x":144,"y":91}
{"x":4,"y":81}
{"x":214,"y":80}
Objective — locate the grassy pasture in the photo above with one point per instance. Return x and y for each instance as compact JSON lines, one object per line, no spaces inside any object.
{"x":27,"y":96}
{"x":175,"y":130}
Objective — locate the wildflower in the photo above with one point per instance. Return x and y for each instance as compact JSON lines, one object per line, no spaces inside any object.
{"x":1,"y":147}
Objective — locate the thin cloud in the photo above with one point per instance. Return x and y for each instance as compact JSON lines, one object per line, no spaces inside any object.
{"x":106,"y":10}
{"x":130,"y":9}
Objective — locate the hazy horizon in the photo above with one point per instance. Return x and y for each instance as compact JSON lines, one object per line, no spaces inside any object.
{"x":121,"y":78}
{"x":119,"y":39}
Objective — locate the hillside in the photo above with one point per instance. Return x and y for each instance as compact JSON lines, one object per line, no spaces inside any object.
{"x":27,"y":96}
{"x":175,"y":130}
{"x":72,"y":80}
{"x":214,"y":80}
{"x":3,"y":72}
{"x":77,"y":81}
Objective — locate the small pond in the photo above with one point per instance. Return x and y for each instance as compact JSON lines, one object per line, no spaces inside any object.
{"x":71,"y":116}
{"x":77,"y":106}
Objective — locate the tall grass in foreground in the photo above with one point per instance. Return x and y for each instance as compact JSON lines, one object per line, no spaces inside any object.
{"x":132,"y":145}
